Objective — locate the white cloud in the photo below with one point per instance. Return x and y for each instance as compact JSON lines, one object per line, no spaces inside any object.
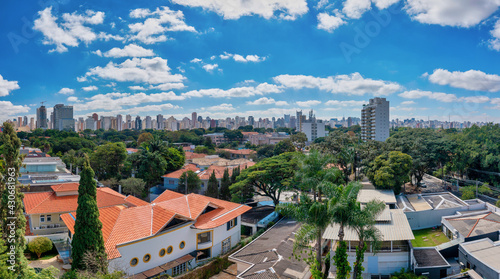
{"x":242,"y":58}
{"x":196,"y":60}
{"x":439,"y":96}
{"x":230,"y":9}
{"x":137,"y":88}
{"x":384,"y":4}
{"x":73,"y":99}
{"x":210,"y":67}
{"x":90,"y":88}
{"x":131,"y":50}
{"x":408,"y":103}
{"x":147,"y":70}
{"x":476,"y":99}
{"x":494,"y":43}
{"x":349,"y":103}
{"x":470,"y":80}
{"x":168,"y":86}
{"x":7,"y":86}
{"x":329,"y":22}
{"x":356,"y":8}
{"x":116,"y":100}
{"x":309,"y":103}
{"x":221,"y":107}
{"x":157,"y":24}
{"x":353,"y":84}
{"x":106,"y":37}
{"x":66,"y":91}
{"x":267,"y":101}
{"x":70,"y":32}
{"x":241,"y":92}
{"x":8,"y":109}
{"x":461,"y":13}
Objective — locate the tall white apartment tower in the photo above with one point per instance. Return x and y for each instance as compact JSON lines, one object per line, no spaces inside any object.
{"x":375,"y":120}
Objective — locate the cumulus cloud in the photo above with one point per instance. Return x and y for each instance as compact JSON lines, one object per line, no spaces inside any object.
{"x":131,"y":50}
{"x":356,"y":8}
{"x":494,"y":43}
{"x":209,"y":67}
{"x":308,"y":104}
{"x":439,"y":96}
{"x":66,"y":91}
{"x":8,"y":109}
{"x":71,"y":32}
{"x":73,"y":99}
{"x":167,"y":86}
{"x":7,"y":86}
{"x":242,"y":58}
{"x":349,"y":103}
{"x":116,"y":101}
{"x":408,"y":103}
{"x":353,"y":84}
{"x":267,"y":101}
{"x":90,"y":88}
{"x":156,"y":24}
{"x":329,"y":22}
{"x":137,"y":88}
{"x":147,"y":70}
{"x":245,"y":91}
{"x":461,"y":13}
{"x":470,"y":80}
{"x":476,"y":99}
{"x":221,"y":107}
{"x":230,"y":9}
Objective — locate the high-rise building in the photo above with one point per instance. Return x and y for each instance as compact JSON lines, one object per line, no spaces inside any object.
{"x":138,"y":123}
{"x":90,"y":123}
{"x":194,"y":119}
{"x":119,"y":122}
{"x":298,"y":120}
{"x":128,"y":121}
{"x":148,"y":123}
{"x":159,"y":122}
{"x":375,"y":120}
{"x":312,"y":127}
{"x":32,"y":123}
{"x":63,"y":118}
{"x":41,"y":117}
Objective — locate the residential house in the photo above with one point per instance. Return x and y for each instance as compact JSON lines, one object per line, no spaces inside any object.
{"x":482,"y":256}
{"x":44,"y":209}
{"x":173,"y":234}
{"x":241,"y":153}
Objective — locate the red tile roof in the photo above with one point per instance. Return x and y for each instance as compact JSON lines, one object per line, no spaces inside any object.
{"x":240,"y":152}
{"x":65,"y":187}
{"x":177,"y":174}
{"x":135,"y":201}
{"x":49,"y":202}
{"x":123,"y":225}
{"x":192,"y":155}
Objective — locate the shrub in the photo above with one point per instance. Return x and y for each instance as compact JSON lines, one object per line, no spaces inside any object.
{"x":40,"y":245}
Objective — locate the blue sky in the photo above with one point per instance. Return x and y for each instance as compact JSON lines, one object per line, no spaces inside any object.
{"x":220,"y":58}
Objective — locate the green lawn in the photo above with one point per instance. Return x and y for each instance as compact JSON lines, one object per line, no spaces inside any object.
{"x":428,"y":238}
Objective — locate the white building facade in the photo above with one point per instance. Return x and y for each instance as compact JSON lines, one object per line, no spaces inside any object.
{"x":375,"y":120}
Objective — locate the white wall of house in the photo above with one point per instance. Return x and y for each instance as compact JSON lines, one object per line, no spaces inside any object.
{"x":173,"y":237}
{"x":380,"y":263}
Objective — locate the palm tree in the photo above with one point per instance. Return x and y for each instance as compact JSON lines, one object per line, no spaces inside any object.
{"x":315,"y":175}
{"x":363,"y":222}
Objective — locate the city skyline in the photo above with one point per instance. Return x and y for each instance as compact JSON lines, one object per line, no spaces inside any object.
{"x":173,"y":58}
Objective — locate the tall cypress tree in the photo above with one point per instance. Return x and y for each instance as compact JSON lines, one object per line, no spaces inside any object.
{"x":212,"y":186}
{"x":88,"y":228}
{"x":225,"y":193}
{"x":235,"y":174}
{"x":13,"y":222}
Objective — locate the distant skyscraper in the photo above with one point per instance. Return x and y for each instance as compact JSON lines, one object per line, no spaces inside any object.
{"x":90,"y":123}
{"x":138,"y":123}
{"x":194,"y":119}
{"x":41,"y":117}
{"x":375,"y":120}
{"x":63,"y":118}
{"x":148,"y":123}
{"x":298,"y":120}
{"x":119,"y":122}
{"x":159,"y":122}
{"x":128,"y":121}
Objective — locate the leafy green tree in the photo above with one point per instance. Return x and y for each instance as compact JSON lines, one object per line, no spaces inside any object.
{"x":144,"y":137}
{"x":88,"y":228}
{"x":299,"y":140}
{"x":225,"y":192}
{"x":193,"y":182}
{"x":13,"y":222}
{"x":268,"y":178}
{"x":390,"y":171}
{"x":235,"y":174}
{"x":212,"y":186}
{"x":265,"y":151}
{"x":283,"y":146}
{"x":40,"y":245}
{"x":341,"y":261}
{"x":233,"y":135}
{"x":133,"y":186}
{"x":50,"y":272}
{"x":108,"y":159}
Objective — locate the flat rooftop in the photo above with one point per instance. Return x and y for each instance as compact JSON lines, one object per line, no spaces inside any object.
{"x":429,"y":257}
{"x":475,"y":224}
{"x":367,"y":195}
{"x":254,"y":215}
{"x":271,"y":254}
{"x":484,"y":250}
{"x":429,"y":201}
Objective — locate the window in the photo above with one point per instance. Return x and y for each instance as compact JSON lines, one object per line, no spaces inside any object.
{"x":49,"y":218}
{"x":226,"y":245}
{"x":60,"y":219}
{"x":42,"y":218}
{"x":134,"y":262}
{"x":182,"y":245}
{"x":204,"y":254}
{"x":146,"y":258}
{"x":204,"y":237}
{"x":162,"y":252}
{"x":176,"y":270}
{"x":170,"y":249}
{"x":231,"y":224}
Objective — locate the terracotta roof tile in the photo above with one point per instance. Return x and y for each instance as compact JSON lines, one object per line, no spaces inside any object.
{"x":177,"y":174}
{"x":65,"y":187}
{"x":240,"y":151}
{"x":135,"y":201}
{"x":167,"y":195}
